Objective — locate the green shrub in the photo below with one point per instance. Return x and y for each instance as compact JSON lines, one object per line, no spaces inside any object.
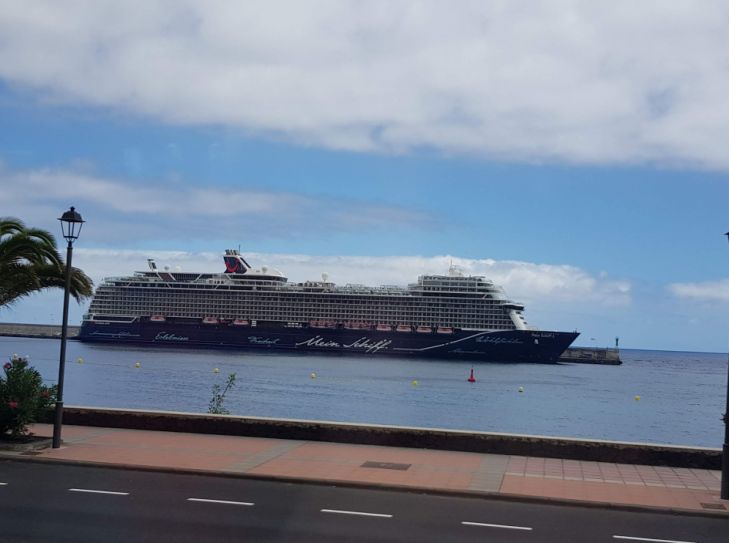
{"x":23,"y":397}
{"x":216,"y":406}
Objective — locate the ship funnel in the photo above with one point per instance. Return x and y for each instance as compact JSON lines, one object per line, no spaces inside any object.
{"x":151,"y":264}
{"x":234,"y":263}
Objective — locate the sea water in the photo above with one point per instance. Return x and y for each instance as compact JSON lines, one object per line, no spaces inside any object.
{"x":655,"y":396}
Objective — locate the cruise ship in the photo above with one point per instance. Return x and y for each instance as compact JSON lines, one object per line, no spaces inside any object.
{"x":451,"y":316}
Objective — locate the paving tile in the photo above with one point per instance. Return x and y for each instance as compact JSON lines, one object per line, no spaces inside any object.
{"x":490,"y":474}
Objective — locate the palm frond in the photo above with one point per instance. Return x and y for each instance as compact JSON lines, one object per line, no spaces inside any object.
{"x":30,"y":261}
{"x":10,"y":225}
{"x":17,"y":281}
{"x":49,"y":276}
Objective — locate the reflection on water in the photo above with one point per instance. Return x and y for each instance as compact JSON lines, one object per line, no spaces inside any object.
{"x":682,"y":394}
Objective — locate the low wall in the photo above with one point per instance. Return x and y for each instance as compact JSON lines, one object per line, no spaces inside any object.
{"x":396,"y":436}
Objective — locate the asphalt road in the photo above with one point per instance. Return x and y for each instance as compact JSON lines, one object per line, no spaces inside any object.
{"x":51,"y":502}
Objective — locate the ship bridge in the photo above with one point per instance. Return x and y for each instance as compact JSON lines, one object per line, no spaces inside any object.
{"x":437,"y":285}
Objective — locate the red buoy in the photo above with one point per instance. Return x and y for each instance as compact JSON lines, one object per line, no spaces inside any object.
{"x":471,"y":378}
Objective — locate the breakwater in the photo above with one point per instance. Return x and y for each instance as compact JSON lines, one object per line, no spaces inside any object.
{"x":592,"y":355}
{"x":35,"y":330}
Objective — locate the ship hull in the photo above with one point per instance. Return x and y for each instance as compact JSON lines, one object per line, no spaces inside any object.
{"x":535,"y":346}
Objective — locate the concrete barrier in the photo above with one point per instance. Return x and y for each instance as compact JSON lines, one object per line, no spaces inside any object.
{"x":397,"y":436}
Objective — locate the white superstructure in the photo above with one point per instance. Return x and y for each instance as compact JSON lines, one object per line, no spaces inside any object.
{"x":452,"y":301}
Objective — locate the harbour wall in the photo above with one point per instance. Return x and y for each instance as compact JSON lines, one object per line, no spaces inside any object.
{"x":592,"y":355}
{"x":35,"y":330}
{"x":398,"y":436}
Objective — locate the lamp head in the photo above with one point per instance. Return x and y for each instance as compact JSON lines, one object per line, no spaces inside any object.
{"x":71,"y":223}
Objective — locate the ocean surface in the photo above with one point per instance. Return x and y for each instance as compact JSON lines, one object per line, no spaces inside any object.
{"x":682,"y":395}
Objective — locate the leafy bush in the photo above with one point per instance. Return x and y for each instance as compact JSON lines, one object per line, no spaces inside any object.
{"x":216,"y":406}
{"x":23,"y":397}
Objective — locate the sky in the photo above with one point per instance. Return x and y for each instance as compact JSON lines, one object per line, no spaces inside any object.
{"x":573,"y":152}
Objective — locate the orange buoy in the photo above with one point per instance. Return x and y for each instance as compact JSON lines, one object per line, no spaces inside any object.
{"x":471,"y":378}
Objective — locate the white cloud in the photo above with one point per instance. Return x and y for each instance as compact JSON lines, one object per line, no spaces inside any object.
{"x":125,"y":210}
{"x":583,"y":82}
{"x":707,"y":291}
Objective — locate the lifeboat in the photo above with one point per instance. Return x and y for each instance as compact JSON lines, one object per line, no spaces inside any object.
{"x":240,"y":322}
{"x":423,"y":329}
{"x":357,"y":325}
{"x":444,"y":330}
{"x":404,"y":328}
{"x":384,"y":328}
{"x":322,"y":324}
{"x":157,"y":318}
{"x":210,"y":320}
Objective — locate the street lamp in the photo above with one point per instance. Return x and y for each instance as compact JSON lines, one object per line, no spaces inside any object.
{"x":71,"y":223}
{"x":725,"y":448}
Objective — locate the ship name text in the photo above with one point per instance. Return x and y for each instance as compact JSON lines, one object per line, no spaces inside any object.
{"x":262,"y":340}
{"x":363,"y":344}
{"x":116,"y":335}
{"x":165,"y":336}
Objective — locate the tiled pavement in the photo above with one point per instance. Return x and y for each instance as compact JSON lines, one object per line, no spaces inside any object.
{"x":679,"y":489}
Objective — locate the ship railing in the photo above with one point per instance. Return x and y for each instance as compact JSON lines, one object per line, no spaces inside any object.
{"x":136,"y":278}
{"x":363,"y":289}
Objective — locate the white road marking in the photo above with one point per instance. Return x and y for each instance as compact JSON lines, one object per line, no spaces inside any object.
{"x":89,"y":491}
{"x":631,"y":538}
{"x":3,"y":484}
{"x":226,"y":502}
{"x":505,"y":526}
{"x":358,"y":513}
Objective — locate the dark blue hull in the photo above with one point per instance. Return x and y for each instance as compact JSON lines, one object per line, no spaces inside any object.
{"x":502,"y":346}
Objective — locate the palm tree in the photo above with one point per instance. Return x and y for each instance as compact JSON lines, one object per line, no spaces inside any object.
{"x":30,"y":262}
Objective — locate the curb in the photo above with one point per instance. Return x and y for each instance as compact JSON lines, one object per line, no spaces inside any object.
{"x":378,"y":486}
{"x":32,"y":445}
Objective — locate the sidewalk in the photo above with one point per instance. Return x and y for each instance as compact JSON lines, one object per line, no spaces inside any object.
{"x":677,"y":489}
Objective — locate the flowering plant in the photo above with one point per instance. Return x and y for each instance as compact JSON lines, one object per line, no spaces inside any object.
{"x":23,"y":396}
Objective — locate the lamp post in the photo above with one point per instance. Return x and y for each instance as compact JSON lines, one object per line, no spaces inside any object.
{"x":725,"y":448}
{"x":71,"y":223}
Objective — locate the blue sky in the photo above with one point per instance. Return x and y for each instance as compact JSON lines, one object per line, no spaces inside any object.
{"x":585,"y":174}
